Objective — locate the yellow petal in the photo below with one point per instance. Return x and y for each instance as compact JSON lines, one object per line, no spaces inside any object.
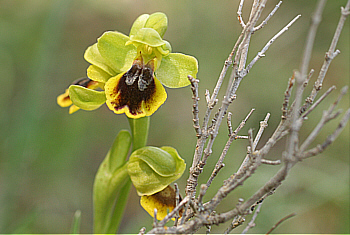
{"x":158,"y":98}
{"x":63,"y":100}
{"x":164,"y":201}
{"x":73,"y":109}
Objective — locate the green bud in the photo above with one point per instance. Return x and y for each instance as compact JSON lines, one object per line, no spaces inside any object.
{"x":138,"y":24}
{"x":152,"y":169}
{"x":148,"y":36}
{"x":157,"y":21}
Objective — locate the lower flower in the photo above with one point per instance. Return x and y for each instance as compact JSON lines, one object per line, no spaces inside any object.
{"x":151,"y":171}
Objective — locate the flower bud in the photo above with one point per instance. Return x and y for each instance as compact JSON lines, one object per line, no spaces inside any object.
{"x":152,"y":169}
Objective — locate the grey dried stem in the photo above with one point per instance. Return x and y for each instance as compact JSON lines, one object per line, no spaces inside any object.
{"x":198,"y":214}
{"x":280,"y":221}
{"x":251,"y":223}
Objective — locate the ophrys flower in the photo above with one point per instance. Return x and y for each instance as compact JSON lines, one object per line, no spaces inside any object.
{"x":133,"y":69}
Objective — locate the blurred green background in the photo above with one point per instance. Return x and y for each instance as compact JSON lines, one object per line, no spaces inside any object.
{"x":48,"y":158}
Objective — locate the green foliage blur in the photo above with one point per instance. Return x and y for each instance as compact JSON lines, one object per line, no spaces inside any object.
{"x":48,"y":158}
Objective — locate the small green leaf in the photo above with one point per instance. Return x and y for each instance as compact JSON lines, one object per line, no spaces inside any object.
{"x":159,"y":22}
{"x":175,"y":68}
{"x":85,"y":98}
{"x":138,"y":24}
{"x":111,"y":183}
{"x":152,"y":169}
{"x":119,"y":150}
{"x":75,"y":229}
{"x":93,"y":56}
{"x":97,"y":74}
{"x":107,"y":187}
{"x":117,"y":55}
{"x":148,"y":36}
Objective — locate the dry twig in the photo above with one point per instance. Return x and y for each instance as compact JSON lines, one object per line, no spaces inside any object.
{"x":281,"y":221}
{"x":196,"y":213}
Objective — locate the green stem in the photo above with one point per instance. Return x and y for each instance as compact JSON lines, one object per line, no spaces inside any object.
{"x":119,"y":208}
{"x":75,"y":229}
{"x":139,"y":133}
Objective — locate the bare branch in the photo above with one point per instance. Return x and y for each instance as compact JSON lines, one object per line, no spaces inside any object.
{"x":308,"y":77}
{"x":332,"y":52}
{"x":287,"y":94}
{"x":142,"y":231}
{"x":228,"y":62}
{"x":327,"y":116}
{"x":317,"y":102}
{"x":242,"y":51}
{"x":255,"y":14}
{"x":173,"y":212}
{"x":155,"y":221}
{"x":216,"y":170}
{"x":237,"y":221}
{"x":268,"y":17}
{"x":177,"y":201}
{"x":194,"y":170}
{"x":281,"y":221}
{"x":300,"y":79}
{"x":263,"y":125}
{"x":266,"y":47}
{"x":219,"y":165}
{"x":315,"y":21}
{"x":241,"y":125}
{"x":194,"y":88}
{"x":251,"y":223}
{"x":239,"y":14}
{"x":264,"y":191}
{"x":201,"y":195}
{"x":308,"y":100}
{"x":229,"y":124}
{"x":185,"y":212}
{"x":198,"y":214}
{"x":330,"y":139}
{"x":250,"y":148}
{"x":269,"y":162}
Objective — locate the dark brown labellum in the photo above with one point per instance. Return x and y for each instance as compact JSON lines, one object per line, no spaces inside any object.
{"x":134,"y":87}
